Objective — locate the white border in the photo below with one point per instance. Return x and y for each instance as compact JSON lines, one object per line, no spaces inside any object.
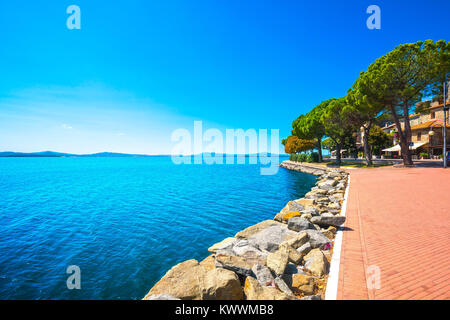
{"x":333,"y":278}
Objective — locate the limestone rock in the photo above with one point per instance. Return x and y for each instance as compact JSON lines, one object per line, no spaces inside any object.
{"x":270,"y":238}
{"x":244,"y":248}
{"x":250,"y":231}
{"x":293,"y":255}
{"x":298,"y":240}
{"x":240,"y":265}
{"x":303,"y":284}
{"x":314,"y":297}
{"x":327,"y":254}
{"x":329,"y":183}
{"x":290,"y":214}
{"x":291,"y":206}
{"x":299,"y":224}
{"x":208,"y":263}
{"x":334,"y":206}
{"x":330,"y":232}
{"x":162,"y":296}
{"x":280,"y":284}
{"x":290,"y":270}
{"x":304,"y":249}
{"x":328,"y":219}
{"x":317,"y":239}
{"x":222,"y":245}
{"x":306,"y":203}
{"x":221,"y":284}
{"x":277,"y":261}
{"x":183,"y":281}
{"x":254,"y":291}
{"x":312,"y":211}
{"x":263,"y":275}
{"x":316,"y":263}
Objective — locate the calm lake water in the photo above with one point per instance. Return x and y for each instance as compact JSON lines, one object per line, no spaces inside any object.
{"x":123,"y":221}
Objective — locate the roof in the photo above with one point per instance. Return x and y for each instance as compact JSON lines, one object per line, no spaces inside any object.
{"x":429,"y":124}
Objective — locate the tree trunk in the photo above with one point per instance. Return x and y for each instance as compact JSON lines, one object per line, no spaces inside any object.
{"x":367,"y":149}
{"x":407,"y":159}
{"x":404,"y":140}
{"x":338,"y":154}
{"x":319,"y":148}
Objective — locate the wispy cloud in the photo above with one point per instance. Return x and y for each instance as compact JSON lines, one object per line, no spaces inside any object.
{"x":66,"y":126}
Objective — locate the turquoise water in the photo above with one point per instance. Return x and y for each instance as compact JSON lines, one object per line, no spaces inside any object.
{"x":123,"y":221}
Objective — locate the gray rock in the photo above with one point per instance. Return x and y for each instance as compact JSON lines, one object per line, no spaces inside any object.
{"x":330,"y":183}
{"x":263,"y":275}
{"x":293,"y":269}
{"x":277,"y":261}
{"x":312,"y":211}
{"x":290,"y":270}
{"x":241,"y":265}
{"x":299,"y":224}
{"x":304,"y":249}
{"x":316,"y":263}
{"x":241,"y":248}
{"x":283,"y":286}
{"x":314,"y":297}
{"x":328,"y":219}
{"x":162,"y":296}
{"x":271,"y":237}
{"x":317,"y":239}
{"x":335,"y":197}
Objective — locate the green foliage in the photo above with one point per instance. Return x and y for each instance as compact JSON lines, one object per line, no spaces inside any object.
{"x":423,"y":107}
{"x":424,"y":155}
{"x":328,"y":144}
{"x":302,"y":157}
{"x":379,"y":140}
{"x":335,"y":119}
{"x":294,"y":145}
{"x":298,"y":157}
{"x":312,"y":157}
{"x":388,"y":90}
{"x":310,"y":126}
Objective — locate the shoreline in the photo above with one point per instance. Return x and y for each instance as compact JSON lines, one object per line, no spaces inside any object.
{"x":286,"y":258}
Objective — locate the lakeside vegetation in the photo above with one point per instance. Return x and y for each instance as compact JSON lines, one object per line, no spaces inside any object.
{"x":389,"y":89}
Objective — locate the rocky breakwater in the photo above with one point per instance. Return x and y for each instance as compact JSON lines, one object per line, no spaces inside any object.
{"x":287,"y":258}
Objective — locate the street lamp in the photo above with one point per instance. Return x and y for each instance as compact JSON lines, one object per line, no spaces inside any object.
{"x":445,"y":126}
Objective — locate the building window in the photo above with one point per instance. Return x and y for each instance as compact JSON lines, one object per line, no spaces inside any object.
{"x":433,"y":115}
{"x":419,"y":136}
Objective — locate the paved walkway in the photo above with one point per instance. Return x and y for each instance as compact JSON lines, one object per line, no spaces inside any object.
{"x":398,"y":220}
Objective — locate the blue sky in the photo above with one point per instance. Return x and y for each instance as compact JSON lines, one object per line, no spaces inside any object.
{"x":137,"y":70}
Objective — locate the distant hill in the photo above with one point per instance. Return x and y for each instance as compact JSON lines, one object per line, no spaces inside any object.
{"x":59,"y":154}
{"x":53,"y":154}
{"x":34,"y":154}
{"x":113,"y":154}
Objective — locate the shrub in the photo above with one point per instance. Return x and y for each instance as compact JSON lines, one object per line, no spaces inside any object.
{"x":424,"y":155}
{"x":302,"y":157}
{"x":313,"y":157}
